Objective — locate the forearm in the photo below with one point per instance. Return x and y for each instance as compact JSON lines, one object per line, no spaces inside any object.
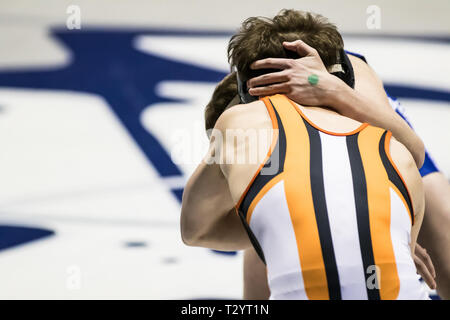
{"x":355,"y":105}
{"x":255,"y":277}
{"x":227,"y":233}
{"x":204,"y":203}
{"x":208,"y":216}
{"x":434,"y":235}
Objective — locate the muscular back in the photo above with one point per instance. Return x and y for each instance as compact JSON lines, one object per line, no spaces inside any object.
{"x":254,"y":116}
{"x":320,"y":196}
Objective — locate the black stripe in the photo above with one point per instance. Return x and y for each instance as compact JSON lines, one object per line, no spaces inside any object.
{"x":362,"y":211}
{"x":278,"y":154}
{"x":321,"y":212}
{"x":262,"y":179}
{"x":252,"y":237}
{"x":393,"y":175}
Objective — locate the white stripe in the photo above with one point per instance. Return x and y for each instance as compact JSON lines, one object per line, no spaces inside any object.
{"x":410,"y":286}
{"x":272,"y":226}
{"x":340,"y":202}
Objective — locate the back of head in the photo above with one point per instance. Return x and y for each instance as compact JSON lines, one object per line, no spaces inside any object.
{"x":223,"y":95}
{"x":260,"y":38}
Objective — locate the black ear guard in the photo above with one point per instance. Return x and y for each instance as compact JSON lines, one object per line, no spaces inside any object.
{"x":242,"y":83}
{"x":344,"y":71}
{"x":243,"y":89}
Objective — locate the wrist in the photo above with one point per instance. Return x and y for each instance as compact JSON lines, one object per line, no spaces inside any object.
{"x":334,"y":92}
{"x":343,"y":98}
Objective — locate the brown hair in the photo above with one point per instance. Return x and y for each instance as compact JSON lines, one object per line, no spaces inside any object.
{"x":260,"y":38}
{"x":225,"y":91}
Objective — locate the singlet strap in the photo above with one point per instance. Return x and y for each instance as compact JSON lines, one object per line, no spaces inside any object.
{"x":394,"y":175}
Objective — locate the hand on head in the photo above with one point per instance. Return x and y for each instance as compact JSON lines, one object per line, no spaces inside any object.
{"x":292,"y":79}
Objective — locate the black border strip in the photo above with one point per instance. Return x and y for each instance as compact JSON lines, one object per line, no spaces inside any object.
{"x":394,"y":176}
{"x":261,"y":180}
{"x":252,"y":237}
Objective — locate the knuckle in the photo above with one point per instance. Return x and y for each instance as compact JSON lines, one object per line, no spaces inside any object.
{"x":287,"y":87}
{"x":288,"y":75}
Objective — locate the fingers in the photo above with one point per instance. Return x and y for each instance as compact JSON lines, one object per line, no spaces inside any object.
{"x":424,"y":273}
{"x":300,"y":47}
{"x":268,"y":78}
{"x":272,"y":63}
{"x":269,"y":90}
{"x":425,"y":257}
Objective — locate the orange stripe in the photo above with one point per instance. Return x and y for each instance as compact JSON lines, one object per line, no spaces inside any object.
{"x":379,"y":212}
{"x":272,"y":147}
{"x":300,"y":202}
{"x":388,"y":153}
{"x":362,"y":126}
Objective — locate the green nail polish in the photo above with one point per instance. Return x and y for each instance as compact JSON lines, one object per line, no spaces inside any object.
{"x":313,"y":79}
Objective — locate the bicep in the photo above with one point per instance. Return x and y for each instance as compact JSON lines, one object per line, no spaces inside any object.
{"x":209,"y":207}
{"x":206,"y":200}
{"x":208,"y":217}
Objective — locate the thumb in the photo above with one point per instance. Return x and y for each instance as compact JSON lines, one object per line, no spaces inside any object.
{"x":300,"y":47}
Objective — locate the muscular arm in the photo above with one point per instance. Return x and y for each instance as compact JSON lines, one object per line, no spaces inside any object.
{"x":255,"y":277}
{"x":435,"y":232}
{"x":208,"y":218}
{"x":368,"y":103}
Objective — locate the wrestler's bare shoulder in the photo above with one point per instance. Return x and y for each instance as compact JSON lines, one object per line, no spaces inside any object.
{"x":244,"y":116}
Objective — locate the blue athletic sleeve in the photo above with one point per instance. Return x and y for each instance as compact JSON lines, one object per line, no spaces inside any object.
{"x":429,"y":166}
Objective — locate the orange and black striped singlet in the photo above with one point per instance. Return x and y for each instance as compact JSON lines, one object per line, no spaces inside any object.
{"x":333,"y":221}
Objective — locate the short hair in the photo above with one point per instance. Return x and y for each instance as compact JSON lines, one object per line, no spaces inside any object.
{"x":260,"y":38}
{"x":223,"y":94}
